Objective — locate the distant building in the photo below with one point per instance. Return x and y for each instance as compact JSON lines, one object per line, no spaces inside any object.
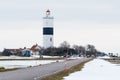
{"x":26,"y":52}
{"x":34,"y":50}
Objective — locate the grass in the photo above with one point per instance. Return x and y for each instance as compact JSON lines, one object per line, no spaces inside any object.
{"x":114,"y":60}
{"x":2,"y":69}
{"x":61,"y":74}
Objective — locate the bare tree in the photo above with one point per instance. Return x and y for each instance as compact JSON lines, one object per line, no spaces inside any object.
{"x":79,"y":49}
{"x":65,"y":44}
{"x":91,"y":50}
{"x":82,"y":50}
{"x":76,"y":48}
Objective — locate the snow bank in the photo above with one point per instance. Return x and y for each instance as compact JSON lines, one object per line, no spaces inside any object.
{"x":96,"y":70}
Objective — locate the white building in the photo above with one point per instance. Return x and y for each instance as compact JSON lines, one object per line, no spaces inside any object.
{"x":48,"y":30}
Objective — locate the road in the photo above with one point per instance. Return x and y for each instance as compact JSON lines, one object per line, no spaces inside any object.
{"x":36,"y":73}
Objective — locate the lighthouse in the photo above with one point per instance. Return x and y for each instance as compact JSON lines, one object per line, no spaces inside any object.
{"x":48,"y":31}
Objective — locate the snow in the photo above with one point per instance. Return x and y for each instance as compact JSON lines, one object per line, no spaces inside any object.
{"x":51,"y":56}
{"x":23,"y":63}
{"x":97,"y":69}
{"x":16,"y":57}
{"x":72,"y":57}
{"x":9,"y":61}
{"x":32,"y":57}
{"x":104,"y":57}
{"x":44,"y":56}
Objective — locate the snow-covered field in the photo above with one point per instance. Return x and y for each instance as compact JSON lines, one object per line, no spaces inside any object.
{"x":9,"y":62}
{"x":32,"y":57}
{"x":97,"y":69}
{"x":23,"y":63}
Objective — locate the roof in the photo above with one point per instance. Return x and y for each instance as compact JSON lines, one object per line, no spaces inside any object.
{"x":35,"y":48}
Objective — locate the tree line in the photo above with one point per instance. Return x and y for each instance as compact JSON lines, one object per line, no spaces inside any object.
{"x":65,"y":50}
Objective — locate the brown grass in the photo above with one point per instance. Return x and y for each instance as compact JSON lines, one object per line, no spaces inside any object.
{"x":3,"y":70}
{"x":114,"y":60}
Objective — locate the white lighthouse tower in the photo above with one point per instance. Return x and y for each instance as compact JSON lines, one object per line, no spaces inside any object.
{"x":48,"y":30}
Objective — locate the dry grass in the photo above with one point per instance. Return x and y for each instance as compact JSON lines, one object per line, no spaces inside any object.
{"x":3,"y":70}
{"x":114,"y":60}
{"x":60,"y":75}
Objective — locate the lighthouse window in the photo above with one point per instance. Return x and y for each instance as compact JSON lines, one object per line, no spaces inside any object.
{"x":48,"y":31}
{"x":50,"y":39}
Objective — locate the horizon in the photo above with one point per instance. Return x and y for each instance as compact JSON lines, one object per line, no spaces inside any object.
{"x":77,"y":22}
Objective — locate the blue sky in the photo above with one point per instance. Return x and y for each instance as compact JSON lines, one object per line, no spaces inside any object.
{"x":79,"y":22}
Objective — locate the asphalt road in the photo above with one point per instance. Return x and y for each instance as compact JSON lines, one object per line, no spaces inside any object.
{"x":36,"y":73}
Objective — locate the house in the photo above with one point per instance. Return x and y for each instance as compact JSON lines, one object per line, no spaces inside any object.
{"x":26,"y":52}
{"x":35,"y":49}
